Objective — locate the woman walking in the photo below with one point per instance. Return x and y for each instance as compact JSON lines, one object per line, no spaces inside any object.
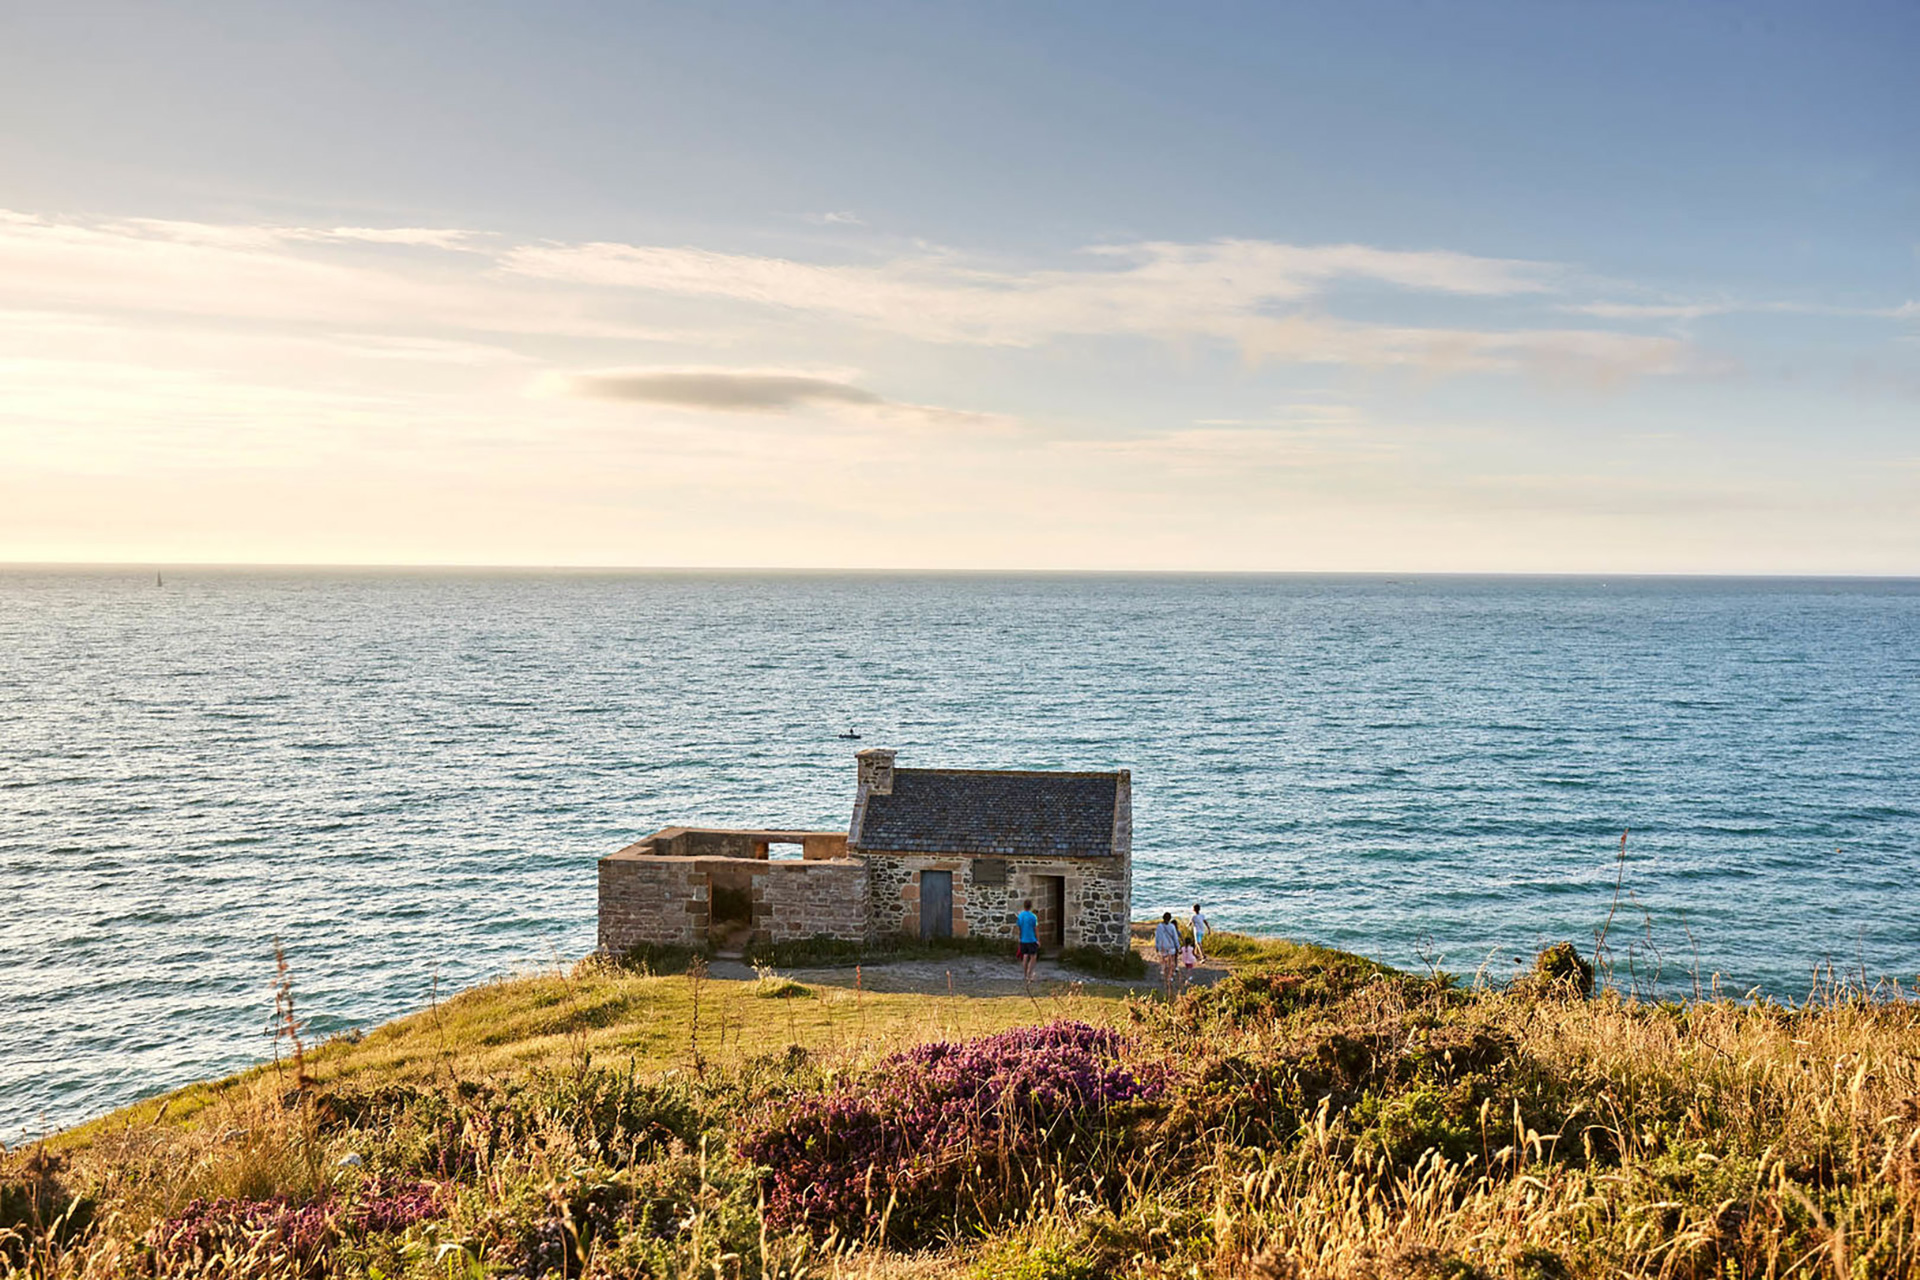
{"x":1166,"y":945}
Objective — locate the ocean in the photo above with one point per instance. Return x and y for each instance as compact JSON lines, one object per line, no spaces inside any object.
{"x":404,"y":777}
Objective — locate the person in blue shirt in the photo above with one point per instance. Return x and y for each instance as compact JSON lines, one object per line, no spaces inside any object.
{"x":1029,"y":938}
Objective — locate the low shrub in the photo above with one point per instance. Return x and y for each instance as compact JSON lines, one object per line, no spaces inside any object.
{"x":1561,"y":970}
{"x":907,"y":947}
{"x":675,"y":1215}
{"x":1020,"y":1260}
{"x":817,"y":952}
{"x":936,"y":1131}
{"x":1404,"y":1124}
{"x":658,"y":957}
{"x":1265,"y":992}
{"x":1242,"y":1100}
{"x":613,"y":1114}
{"x":276,"y":1235}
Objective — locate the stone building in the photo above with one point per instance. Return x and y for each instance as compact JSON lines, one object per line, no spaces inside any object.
{"x":956,"y":851}
{"x":929,"y":853}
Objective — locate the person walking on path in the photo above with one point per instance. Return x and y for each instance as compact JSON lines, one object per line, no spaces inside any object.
{"x":1199,"y":927}
{"x":1029,"y":938}
{"x":1166,"y":945}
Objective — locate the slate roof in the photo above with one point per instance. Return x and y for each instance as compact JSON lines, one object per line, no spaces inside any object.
{"x":1004,"y":813}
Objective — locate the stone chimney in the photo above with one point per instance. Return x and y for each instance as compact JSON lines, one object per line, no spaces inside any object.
{"x":875,"y":778}
{"x":876,"y":770}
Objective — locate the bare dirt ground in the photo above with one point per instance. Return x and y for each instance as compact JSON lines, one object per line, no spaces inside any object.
{"x":971,"y":975}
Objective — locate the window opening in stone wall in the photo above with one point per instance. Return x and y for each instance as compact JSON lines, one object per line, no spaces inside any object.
{"x":785,"y":851}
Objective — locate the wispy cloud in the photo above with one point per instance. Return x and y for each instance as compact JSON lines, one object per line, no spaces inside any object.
{"x":166,"y":375}
{"x":1306,"y":414}
{"x":1259,"y":296}
{"x":245,"y":274}
{"x":1265,"y":299}
{"x":761,"y":392}
{"x":1697,"y":310}
{"x":1649,"y":310}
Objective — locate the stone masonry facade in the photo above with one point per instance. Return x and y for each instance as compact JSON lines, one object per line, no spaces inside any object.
{"x":667,"y":900}
{"x":1062,"y":840}
{"x":1097,"y":898}
{"x":797,"y":900}
{"x":652,"y":900}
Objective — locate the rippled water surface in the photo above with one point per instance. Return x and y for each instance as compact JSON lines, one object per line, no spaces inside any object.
{"x":406,"y":775}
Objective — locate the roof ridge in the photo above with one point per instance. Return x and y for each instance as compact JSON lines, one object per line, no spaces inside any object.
{"x":1017,"y":773}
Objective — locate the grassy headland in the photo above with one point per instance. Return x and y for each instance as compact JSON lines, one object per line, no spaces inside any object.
{"x":1311,"y":1114}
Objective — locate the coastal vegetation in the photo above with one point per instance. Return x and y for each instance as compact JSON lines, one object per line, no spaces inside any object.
{"x":1310,"y":1114}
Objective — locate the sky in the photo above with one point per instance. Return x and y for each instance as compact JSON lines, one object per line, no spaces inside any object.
{"x":1394,"y":287}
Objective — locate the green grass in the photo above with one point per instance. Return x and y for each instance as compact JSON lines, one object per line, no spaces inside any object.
{"x":1279,"y":953}
{"x":608,"y":1013}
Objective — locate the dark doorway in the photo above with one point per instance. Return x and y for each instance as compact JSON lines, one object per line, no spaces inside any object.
{"x":1050,"y":904}
{"x":936,"y":904}
{"x":730,"y":906}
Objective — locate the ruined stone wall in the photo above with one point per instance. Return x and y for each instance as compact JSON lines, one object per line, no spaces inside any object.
{"x":658,"y":900}
{"x":716,"y":844}
{"x":795,"y":900}
{"x":667,"y":900}
{"x":1097,"y":895}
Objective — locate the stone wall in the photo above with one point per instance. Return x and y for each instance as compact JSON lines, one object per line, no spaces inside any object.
{"x":1097,"y":895}
{"x":825,"y":845}
{"x":709,"y":842}
{"x":646,"y":899}
{"x":795,"y":900}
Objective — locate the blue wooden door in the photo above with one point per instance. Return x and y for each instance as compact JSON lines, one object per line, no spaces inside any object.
{"x":936,"y":904}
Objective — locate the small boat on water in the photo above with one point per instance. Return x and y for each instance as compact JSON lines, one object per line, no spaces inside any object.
{"x":851,"y":735}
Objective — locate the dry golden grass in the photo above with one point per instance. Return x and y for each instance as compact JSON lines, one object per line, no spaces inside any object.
{"x":1410,"y":1130}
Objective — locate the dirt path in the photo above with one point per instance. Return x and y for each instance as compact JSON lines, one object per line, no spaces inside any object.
{"x":966,"y":975}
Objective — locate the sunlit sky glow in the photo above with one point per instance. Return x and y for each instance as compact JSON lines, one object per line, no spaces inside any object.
{"x":1404,"y":287}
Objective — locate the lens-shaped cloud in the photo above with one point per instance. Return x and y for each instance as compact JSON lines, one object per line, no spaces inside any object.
{"x":768,"y":393}
{"x":721,"y":391}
